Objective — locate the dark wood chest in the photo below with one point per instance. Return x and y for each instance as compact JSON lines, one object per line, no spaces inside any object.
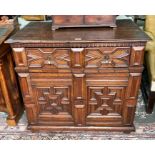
{"x":79,"y":79}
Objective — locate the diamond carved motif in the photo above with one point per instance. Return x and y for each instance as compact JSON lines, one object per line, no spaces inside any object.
{"x":54,"y":100}
{"x":48,"y":58}
{"x":114,"y":57}
{"x":105,"y":100}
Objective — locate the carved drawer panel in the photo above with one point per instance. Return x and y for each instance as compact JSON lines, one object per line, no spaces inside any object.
{"x":48,"y":58}
{"x":107,"y":57}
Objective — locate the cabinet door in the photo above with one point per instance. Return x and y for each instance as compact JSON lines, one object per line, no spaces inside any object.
{"x":48,"y":98}
{"x":106,"y":99}
{"x":53,"y":95}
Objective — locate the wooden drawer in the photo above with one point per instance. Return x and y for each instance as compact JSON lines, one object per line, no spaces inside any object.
{"x":68,"y":20}
{"x":107,"y":57}
{"x":48,"y":59}
{"x":66,"y":59}
{"x":99,"y":19}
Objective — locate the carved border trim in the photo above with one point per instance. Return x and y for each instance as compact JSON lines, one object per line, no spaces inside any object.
{"x":79,"y":44}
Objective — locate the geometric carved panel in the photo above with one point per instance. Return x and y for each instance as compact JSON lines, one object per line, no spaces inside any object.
{"x":54,"y":100}
{"x":48,"y":58}
{"x":107,"y":57}
{"x":105,"y":100}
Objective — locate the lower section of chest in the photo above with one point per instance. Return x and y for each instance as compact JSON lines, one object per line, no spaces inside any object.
{"x":80,"y":100}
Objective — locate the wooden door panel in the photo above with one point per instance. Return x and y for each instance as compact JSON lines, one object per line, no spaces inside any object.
{"x":106,"y":98}
{"x":105,"y":105}
{"x":53,"y":96}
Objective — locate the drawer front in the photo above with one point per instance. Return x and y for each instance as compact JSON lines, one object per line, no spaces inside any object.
{"x":67,"y":20}
{"x":45,"y":59}
{"x":99,"y":20}
{"x":107,"y":57}
{"x":66,"y":59}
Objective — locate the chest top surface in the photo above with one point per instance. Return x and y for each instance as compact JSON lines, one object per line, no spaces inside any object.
{"x":40,"y":32}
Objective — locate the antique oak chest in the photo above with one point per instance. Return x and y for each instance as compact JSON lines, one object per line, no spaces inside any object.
{"x":79,"y":79}
{"x":9,"y":95}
